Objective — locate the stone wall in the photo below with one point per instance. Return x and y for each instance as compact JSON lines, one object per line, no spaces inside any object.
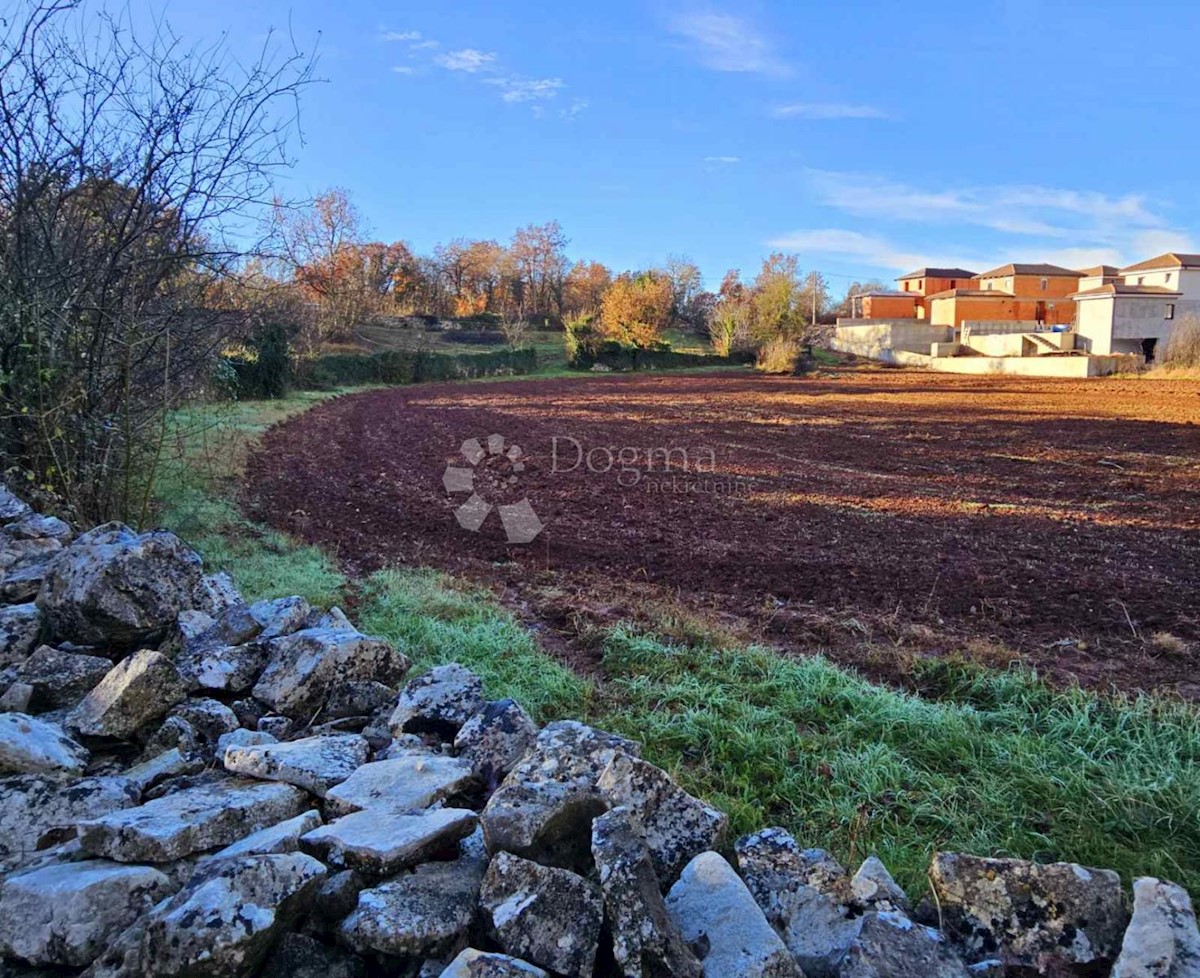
{"x":191,"y":785}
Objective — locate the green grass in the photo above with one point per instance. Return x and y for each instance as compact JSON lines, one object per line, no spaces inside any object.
{"x":986,"y":762}
{"x":994,"y":763}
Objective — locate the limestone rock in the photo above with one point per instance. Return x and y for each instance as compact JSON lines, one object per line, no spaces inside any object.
{"x":17,"y":698}
{"x":222,"y":924}
{"x":495,"y":739}
{"x":171,"y":763}
{"x":32,"y":746}
{"x":439,"y":702}
{"x":214,"y":593}
{"x":335,"y":901}
{"x":138,"y":689}
{"x":226,"y":668}
{"x":242,"y":738}
{"x":814,"y":926}
{"x":889,"y":945}
{"x":424,"y":913}
{"x":410,"y":781}
{"x":11,"y":506}
{"x":305,"y":664}
{"x":548,"y":916}
{"x":676,"y":826}
{"x":210,"y":718}
{"x":720,"y":920}
{"x":116,"y":586}
{"x":36,"y":526}
{"x":277,"y":726}
{"x":21,"y":583}
{"x":61,"y":679}
{"x":174,"y":733}
{"x":192,"y":820}
{"x":1162,"y":940}
{"x":483,"y":964}
{"x":315,"y":764}
{"x":301,"y":956}
{"x":1030,"y":914}
{"x":382,"y":843}
{"x":358,"y":698}
{"x":544,"y":808}
{"x":233,"y":625}
{"x":20,"y":625}
{"x":646,"y":941}
{"x":280,"y":616}
{"x":67,"y":913}
{"x":875,"y":889}
{"x":282,"y":837}
{"x":35,"y":809}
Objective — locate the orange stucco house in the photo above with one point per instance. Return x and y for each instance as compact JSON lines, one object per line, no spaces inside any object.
{"x":925,"y":282}
{"x":1011,"y":293}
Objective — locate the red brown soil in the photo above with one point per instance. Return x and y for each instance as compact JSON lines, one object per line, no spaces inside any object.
{"x":1054,"y":520}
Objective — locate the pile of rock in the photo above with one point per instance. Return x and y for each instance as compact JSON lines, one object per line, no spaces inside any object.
{"x":192,"y":785}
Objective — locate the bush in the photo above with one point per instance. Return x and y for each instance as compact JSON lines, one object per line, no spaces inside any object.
{"x":618,"y":356}
{"x":778,"y":355}
{"x":264,"y":369}
{"x":1182,"y":349}
{"x":409,"y":367}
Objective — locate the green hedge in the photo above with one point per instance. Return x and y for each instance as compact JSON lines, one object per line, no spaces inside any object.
{"x":409,"y":367}
{"x":618,"y":357}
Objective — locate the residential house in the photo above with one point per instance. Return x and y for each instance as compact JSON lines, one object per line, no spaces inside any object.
{"x":1135,"y":312}
{"x":1030,"y":293}
{"x":887,"y":305}
{"x":925,"y":282}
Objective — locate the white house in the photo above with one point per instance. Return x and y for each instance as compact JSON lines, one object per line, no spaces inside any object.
{"x":1134,"y":310}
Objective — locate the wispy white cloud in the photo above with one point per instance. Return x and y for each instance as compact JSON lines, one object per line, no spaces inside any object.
{"x":722,"y":159}
{"x":526,"y":89}
{"x":1070,"y":227}
{"x":728,"y":43}
{"x":574,"y":110}
{"x":469,"y":60}
{"x":870,"y":249}
{"x":1014,"y":209}
{"x":827,"y":110}
{"x":512,"y":88}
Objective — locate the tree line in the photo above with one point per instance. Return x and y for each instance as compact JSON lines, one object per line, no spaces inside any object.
{"x":142,"y":234}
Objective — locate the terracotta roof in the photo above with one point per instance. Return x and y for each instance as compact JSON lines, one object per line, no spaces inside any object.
{"x":1050,"y":271}
{"x":1106,"y":271}
{"x":1122,"y":288}
{"x":1170,"y":260}
{"x":937,"y":273}
{"x":971,"y":294}
{"x":891,"y":294}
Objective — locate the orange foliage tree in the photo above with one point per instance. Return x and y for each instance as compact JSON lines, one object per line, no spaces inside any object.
{"x":636,"y":308}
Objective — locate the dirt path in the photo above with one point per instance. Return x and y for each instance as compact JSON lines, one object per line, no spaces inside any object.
{"x":856,"y":511}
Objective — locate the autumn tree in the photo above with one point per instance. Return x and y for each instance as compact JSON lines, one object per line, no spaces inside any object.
{"x":687,"y":285}
{"x":584,"y":288}
{"x":777,"y":297}
{"x":540,"y":263}
{"x":636,"y":308}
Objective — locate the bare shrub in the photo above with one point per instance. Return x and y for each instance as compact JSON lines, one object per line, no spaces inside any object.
{"x":130,"y":168}
{"x":1182,"y":349}
{"x":778,"y":355}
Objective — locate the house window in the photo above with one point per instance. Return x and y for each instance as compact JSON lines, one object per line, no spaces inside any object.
{"x":1045,"y":284}
{"x":1168,"y":278}
{"x":1141,"y":280}
{"x":954,"y":283}
{"x":1170,"y":313}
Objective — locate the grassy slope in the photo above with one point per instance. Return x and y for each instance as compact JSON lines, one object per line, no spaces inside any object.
{"x":992,"y":763}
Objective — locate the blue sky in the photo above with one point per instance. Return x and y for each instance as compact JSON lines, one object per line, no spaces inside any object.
{"x":866,"y":136}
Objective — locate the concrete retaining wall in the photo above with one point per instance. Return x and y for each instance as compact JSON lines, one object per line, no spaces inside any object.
{"x":874,"y":338}
{"x":1048,"y":366}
